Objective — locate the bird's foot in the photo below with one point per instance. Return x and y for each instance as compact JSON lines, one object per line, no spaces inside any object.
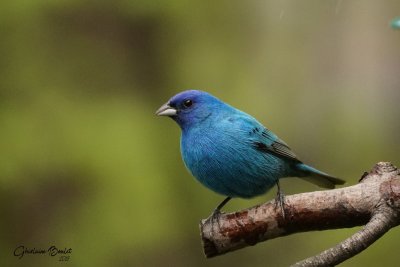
{"x":214,"y":217}
{"x":280,"y":200}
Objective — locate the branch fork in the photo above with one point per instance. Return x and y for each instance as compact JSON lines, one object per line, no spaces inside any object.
{"x":374,"y":202}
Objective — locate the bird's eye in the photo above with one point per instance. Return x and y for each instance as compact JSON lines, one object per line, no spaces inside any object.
{"x":187,"y":103}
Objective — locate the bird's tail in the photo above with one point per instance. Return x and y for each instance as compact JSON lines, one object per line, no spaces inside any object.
{"x":317,"y":177}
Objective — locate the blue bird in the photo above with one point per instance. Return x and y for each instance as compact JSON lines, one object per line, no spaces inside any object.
{"x":230,"y":152}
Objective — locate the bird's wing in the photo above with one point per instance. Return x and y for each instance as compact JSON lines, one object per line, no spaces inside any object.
{"x":272,"y":144}
{"x":263,"y":139}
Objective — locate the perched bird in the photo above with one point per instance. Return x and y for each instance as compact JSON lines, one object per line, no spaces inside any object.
{"x":230,"y":152}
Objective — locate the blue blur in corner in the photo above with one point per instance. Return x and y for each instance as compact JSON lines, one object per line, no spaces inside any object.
{"x":395,"y":24}
{"x":230,"y":152}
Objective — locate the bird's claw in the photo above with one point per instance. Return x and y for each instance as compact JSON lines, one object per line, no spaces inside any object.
{"x":280,"y":200}
{"x":214,"y":217}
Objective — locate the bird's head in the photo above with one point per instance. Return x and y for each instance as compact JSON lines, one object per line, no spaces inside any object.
{"x":190,"y":107}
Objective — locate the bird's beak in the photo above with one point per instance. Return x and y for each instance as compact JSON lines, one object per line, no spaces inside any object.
{"x":166,"y":110}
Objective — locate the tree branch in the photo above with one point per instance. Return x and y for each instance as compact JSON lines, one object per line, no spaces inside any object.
{"x":373,"y":202}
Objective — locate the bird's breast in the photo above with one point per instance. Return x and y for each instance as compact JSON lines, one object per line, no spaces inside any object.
{"x":227,"y":164}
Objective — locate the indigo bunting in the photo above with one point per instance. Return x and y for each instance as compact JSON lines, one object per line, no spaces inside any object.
{"x":230,"y":152}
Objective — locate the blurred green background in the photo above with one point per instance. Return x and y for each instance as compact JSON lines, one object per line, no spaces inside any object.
{"x":85,"y":164}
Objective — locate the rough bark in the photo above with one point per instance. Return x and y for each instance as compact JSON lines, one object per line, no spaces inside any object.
{"x":374,"y":202}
